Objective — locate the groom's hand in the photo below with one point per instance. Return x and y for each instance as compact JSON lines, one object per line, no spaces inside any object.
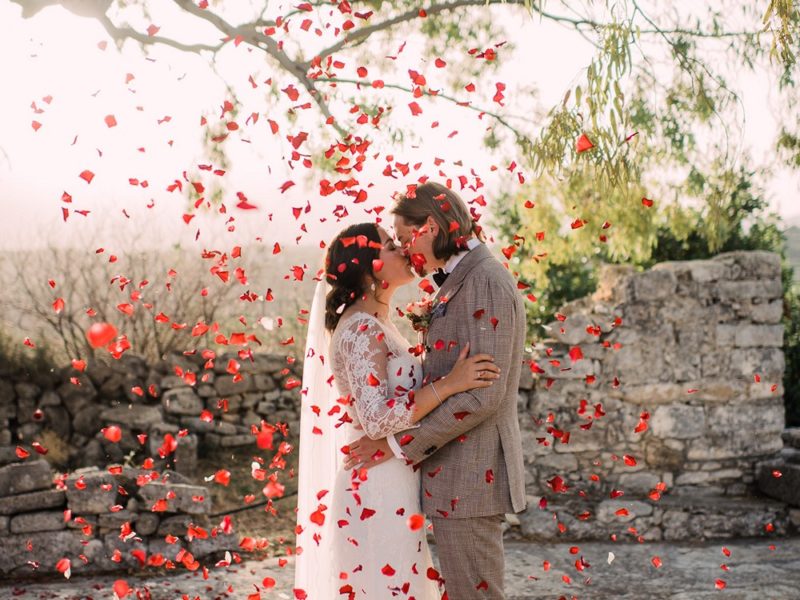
{"x":367,"y":453}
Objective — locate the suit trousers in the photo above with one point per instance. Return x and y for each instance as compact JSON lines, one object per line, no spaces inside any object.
{"x":471,"y":557}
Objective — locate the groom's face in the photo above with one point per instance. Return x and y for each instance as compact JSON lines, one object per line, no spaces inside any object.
{"x":417,"y":242}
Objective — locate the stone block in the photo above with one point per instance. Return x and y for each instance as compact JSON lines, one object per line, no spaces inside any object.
{"x":678,"y":421}
{"x":47,"y":549}
{"x":10,"y":505}
{"x":654,"y":285}
{"x":706,"y":271}
{"x":726,"y":334}
{"x":91,"y":492}
{"x":759,"y":335}
{"x":751,"y":264}
{"x":607,"y":510}
{"x":722,"y":447}
{"x":182,"y":401}
{"x":220,"y":542}
{"x":748,"y":418}
{"x":572,"y":331}
{"x":226,"y":386}
{"x":27,"y":391}
{"x":766,"y":312}
{"x":134,"y":416}
{"x":786,"y":487}
{"x":181,"y":497}
{"x":147,"y":523}
{"x":748,"y":290}
{"x":638,"y":484}
{"x":25,"y":477}
{"x":49,"y":520}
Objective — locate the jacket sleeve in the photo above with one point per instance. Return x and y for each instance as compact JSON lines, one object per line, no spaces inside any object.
{"x":493,"y":314}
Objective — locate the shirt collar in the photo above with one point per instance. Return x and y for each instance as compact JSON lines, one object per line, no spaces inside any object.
{"x":451,"y":263}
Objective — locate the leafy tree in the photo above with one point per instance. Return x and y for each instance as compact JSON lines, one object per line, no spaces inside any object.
{"x":649,"y":84}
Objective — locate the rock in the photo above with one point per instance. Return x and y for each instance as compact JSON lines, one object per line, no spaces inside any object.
{"x":226,"y":386}
{"x":639,"y":484}
{"x":186,"y":454}
{"x":47,"y":549}
{"x":95,"y":494}
{"x":175,"y":525}
{"x":220,"y":542}
{"x":114,"y":520}
{"x":198,"y":425}
{"x":58,"y":421}
{"x":76,"y":397}
{"x":751,"y":264}
{"x":112,"y":542}
{"x":767,"y":312}
{"x":183,"y":497}
{"x":229,"y":441}
{"x":678,"y":421}
{"x":27,"y":391}
{"x":791,"y":437}
{"x":52,"y":520}
{"x":706,"y":271}
{"x":7,"y":394}
{"x":182,"y":401}
{"x":25,"y":477}
{"x":759,"y":335}
{"x":264,"y":383}
{"x":748,"y":290}
{"x":50,"y":398}
{"x":654,"y":285}
{"x":147,"y":523}
{"x":747,"y":419}
{"x":11,"y":505}
{"x":134,"y":416}
{"x":785,"y":487}
{"x":85,"y":421}
{"x":607,"y":510}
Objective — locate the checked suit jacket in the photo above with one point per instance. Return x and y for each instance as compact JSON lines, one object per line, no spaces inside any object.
{"x":469,"y":448}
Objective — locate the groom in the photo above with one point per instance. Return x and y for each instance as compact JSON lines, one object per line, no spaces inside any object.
{"x":469,"y":447}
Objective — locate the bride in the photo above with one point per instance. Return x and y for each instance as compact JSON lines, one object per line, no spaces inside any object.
{"x":359,"y":532}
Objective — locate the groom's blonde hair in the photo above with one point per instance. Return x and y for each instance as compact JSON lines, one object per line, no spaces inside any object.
{"x":447,"y":208}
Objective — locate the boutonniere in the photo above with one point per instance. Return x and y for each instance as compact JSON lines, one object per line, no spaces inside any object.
{"x":422,"y":312}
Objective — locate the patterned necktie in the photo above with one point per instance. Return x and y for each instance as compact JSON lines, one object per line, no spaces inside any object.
{"x":439,"y":277}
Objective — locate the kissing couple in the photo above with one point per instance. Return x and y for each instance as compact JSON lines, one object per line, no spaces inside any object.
{"x":386,"y":436}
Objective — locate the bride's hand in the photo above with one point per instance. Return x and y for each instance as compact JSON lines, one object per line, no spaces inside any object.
{"x":472,"y":372}
{"x":367,"y":453}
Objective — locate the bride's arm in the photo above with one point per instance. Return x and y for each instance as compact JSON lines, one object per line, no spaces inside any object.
{"x":382,"y":411}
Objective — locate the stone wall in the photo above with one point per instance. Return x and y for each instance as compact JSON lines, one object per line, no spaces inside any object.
{"x":103,"y":520}
{"x":664,"y":385}
{"x":114,"y":515}
{"x":211,"y":407}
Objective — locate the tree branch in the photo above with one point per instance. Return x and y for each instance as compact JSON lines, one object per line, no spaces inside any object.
{"x":500,"y":118}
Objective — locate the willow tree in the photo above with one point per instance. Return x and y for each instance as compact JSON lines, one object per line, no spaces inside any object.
{"x":652,"y":108}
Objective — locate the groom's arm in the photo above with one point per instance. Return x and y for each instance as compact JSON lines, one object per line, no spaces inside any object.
{"x":493,"y":314}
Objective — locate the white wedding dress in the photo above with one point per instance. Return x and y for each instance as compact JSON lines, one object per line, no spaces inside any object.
{"x":374,"y":554}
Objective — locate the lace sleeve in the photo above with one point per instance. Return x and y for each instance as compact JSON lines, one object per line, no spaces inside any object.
{"x":365,"y":355}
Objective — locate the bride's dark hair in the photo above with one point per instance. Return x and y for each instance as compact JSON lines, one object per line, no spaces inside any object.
{"x":348,"y":264}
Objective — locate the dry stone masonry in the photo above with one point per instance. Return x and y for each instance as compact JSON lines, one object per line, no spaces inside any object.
{"x":655,"y":402}
{"x":101,"y":513}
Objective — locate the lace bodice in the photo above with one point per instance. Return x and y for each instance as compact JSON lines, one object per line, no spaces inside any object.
{"x":371,"y":363}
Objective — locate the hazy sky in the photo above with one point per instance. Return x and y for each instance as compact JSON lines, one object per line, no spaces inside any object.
{"x":158,"y":103}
